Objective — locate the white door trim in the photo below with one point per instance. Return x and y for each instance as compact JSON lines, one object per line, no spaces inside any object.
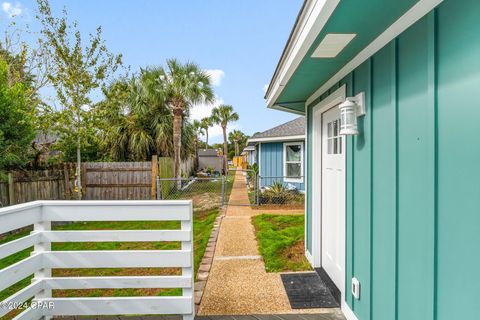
{"x":306,"y":174}
{"x":335,"y":98}
{"x":347,"y":312}
{"x":332,"y":100}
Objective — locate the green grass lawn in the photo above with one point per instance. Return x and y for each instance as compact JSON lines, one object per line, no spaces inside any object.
{"x":202,"y":227}
{"x":281,"y":242}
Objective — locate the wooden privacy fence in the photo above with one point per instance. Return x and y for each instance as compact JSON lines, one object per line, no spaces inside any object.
{"x":128,"y":180}
{"x":240,"y":161}
{"x":117,"y":180}
{"x":43,"y":259}
{"x":24,"y":186}
{"x":100,"y":181}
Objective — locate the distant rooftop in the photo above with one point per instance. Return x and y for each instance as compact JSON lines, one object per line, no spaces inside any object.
{"x":207,"y":152}
{"x":48,"y":138}
{"x":295,"y":127}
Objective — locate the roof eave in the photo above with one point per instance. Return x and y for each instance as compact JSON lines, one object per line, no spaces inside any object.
{"x":276,"y":139}
{"x":311,"y":20}
{"x":286,"y":50}
{"x":285,"y":109}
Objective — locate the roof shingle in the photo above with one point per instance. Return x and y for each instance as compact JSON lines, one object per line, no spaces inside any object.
{"x":295,"y":127}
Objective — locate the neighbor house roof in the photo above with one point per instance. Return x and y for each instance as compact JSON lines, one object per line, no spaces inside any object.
{"x":292,"y":130}
{"x":249,"y":147}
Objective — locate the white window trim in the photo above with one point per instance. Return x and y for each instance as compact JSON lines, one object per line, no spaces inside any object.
{"x":302,"y":148}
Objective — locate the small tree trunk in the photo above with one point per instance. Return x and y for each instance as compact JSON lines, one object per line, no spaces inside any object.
{"x":206,"y":131}
{"x":196,"y":154}
{"x":177,"y":142}
{"x":79,"y":170}
{"x":225,"y":150}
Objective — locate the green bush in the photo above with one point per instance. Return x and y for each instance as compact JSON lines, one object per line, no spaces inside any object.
{"x":277,"y":193}
{"x":16,"y":124}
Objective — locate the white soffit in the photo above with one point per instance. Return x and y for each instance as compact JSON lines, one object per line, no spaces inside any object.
{"x":415,"y":13}
{"x":333,"y":44}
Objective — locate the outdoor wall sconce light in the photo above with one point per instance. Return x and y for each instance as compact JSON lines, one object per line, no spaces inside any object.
{"x":350,"y":110}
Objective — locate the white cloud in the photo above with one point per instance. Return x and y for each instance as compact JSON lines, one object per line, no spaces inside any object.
{"x":216,"y":76}
{"x":215,"y":133}
{"x":12,"y":10}
{"x":200,"y":111}
{"x":265,"y":87}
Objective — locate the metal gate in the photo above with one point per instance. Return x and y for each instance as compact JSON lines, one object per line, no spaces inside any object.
{"x":206,"y":193}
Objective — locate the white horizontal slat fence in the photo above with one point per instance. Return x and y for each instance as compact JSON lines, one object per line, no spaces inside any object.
{"x":43,"y":259}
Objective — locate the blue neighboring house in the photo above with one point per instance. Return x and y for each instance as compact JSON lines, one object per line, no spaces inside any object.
{"x":249,"y":153}
{"x":279,"y":154}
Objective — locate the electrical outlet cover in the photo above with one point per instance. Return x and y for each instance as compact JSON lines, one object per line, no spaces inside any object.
{"x":356,"y":288}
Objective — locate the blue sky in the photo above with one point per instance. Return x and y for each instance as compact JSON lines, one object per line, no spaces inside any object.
{"x":239,"y":41}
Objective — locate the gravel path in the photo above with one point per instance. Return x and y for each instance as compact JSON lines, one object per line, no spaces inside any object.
{"x":238,"y":283}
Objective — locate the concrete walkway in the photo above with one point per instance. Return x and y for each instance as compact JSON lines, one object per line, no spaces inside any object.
{"x":238,"y":283}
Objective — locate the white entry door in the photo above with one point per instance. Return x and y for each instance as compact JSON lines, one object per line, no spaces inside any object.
{"x":333,"y":197}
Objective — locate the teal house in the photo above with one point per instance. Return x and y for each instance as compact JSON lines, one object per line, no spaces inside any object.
{"x":279,"y":153}
{"x":390,"y":89}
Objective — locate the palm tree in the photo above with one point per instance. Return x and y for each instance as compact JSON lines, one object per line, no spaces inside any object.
{"x":235,"y":136}
{"x":197,"y":130}
{"x":135,"y":121}
{"x":222,"y":115}
{"x":184,"y":86}
{"x":206,"y":122}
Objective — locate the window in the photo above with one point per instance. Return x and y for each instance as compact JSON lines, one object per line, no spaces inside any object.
{"x":293,"y":161}
{"x":334,"y":139}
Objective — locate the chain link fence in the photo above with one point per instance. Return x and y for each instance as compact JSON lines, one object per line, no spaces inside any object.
{"x":206,"y":193}
{"x":214,"y":192}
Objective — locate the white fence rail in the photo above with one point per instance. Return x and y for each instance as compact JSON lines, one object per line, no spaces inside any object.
{"x":42,"y":260}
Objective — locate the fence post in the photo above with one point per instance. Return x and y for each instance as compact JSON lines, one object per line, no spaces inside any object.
{"x":11,"y":189}
{"x":154,"y":176}
{"x":159,"y":189}
{"x":223,"y":191}
{"x":84,"y":181}
{"x":257,"y":189}
{"x":66,"y":175}
{"x":38,"y":248}
{"x":187,"y":225}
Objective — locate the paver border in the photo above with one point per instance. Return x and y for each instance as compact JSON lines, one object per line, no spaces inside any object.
{"x":207,"y":260}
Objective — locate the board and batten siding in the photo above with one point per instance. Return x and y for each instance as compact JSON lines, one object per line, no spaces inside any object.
{"x":271,"y":164}
{"x":413,"y":191}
